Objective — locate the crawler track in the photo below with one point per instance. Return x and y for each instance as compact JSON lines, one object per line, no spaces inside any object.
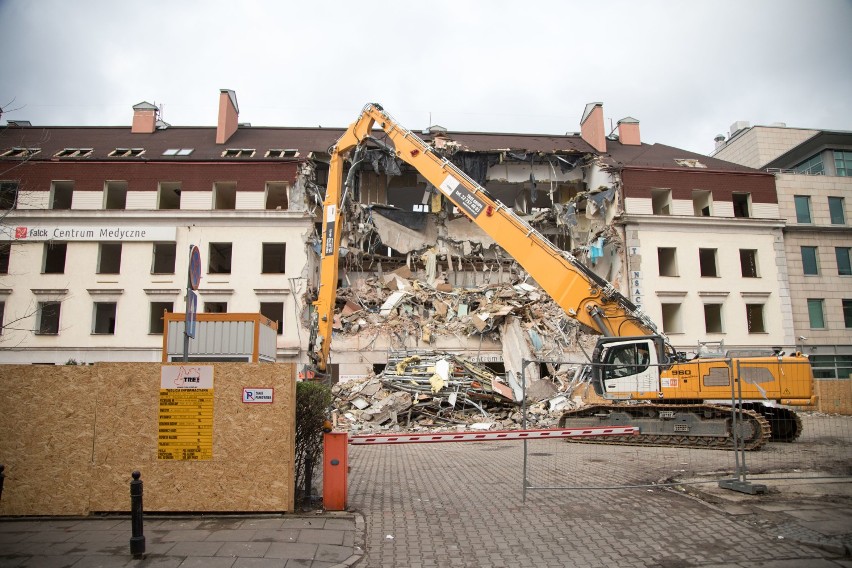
{"x":677,"y":425}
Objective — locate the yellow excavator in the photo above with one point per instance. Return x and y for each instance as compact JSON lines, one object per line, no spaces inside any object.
{"x":673,"y":401}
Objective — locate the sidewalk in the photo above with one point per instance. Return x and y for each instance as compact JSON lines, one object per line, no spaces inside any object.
{"x":327,"y":540}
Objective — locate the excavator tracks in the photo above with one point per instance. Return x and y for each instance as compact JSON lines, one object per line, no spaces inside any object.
{"x":704,"y":426}
{"x":785,"y":424}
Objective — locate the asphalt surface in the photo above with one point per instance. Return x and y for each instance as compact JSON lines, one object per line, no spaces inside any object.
{"x":456,"y":504}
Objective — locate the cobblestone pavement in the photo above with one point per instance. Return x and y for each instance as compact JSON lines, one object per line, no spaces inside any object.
{"x":461,"y":504}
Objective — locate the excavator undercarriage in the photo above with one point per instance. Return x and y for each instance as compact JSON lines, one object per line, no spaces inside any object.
{"x":706,"y":426}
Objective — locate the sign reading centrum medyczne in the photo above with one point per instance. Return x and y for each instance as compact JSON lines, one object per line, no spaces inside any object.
{"x":185,"y":422}
{"x":93,"y":232}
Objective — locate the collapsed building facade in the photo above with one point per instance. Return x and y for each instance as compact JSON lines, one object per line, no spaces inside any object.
{"x":417,"y":275}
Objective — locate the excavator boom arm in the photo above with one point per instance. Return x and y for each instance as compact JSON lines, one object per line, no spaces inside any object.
{"x":583,"y":295}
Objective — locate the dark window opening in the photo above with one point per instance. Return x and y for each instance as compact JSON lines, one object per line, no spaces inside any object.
{"x":225,"y":195}
{"x":157,"y":309}
{"x":276,"y":196}
{"x":215,"y":307}
{"x":667,"y":261}
{"x":748,"y":263}
{"x":707,"y":260}
{"x":754,"y":317}
{"x":274,"y":256}
{"x":169,"y":195}
{"x":54,"y":258}
{"x":8,"y":195}
{"x":847,"y":314}
{"x":109,"y":258}
{"x":62,"y":194}
{"x":220,"y":258}
{"x":844,"y":260}
{"x":5,"y":253}
{"x":810,"y":262}
{"x":104,"y":319}
{"x":275,"y":312}
{"x":713,"y":318}
{"x":116,"y":195}
{"x":671,"y":318}
{"x":48,"y":318}
{"x":742,"y":204}
{"x":164,"y":258}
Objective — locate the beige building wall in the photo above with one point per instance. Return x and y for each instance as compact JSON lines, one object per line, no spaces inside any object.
{"x":828,"y":285}
{"x":760,"y":145}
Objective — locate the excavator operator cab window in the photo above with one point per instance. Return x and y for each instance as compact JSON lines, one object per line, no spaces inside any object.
{"x":625,"y":360}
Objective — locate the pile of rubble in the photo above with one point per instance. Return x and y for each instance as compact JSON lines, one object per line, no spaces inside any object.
{"x":439,"y":391}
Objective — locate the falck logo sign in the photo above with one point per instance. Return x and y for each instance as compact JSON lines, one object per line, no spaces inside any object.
{"x":20,"y":232}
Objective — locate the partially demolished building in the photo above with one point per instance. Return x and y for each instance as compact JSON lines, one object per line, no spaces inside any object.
{"x":667,"y":227}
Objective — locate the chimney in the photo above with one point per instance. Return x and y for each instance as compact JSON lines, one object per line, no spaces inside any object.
{"x":719,"y":140}
{"x":144,"y":118}
{"x":228,"y":114}
{"x":592,"y":126}
{"x":628,"y":131}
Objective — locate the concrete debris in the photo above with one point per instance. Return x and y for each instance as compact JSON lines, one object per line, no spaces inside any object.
{"x":433,"y":390}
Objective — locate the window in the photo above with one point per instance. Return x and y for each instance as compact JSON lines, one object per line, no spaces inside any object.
{"x":843,"y":163}
{"x":22,"y":153}
{"x":168,"y":195}
{"x":126,"y":152}
{"x":667,"y":261}
{"x":164,"y":258}
{"x":836,"y":210}
{"x":847,"y":314}
{"x":238,"y":153}
{"x":225,"y":195}
{"x":178,"y":152}
{"x":115,"y":195}
{"x":276,"y":196}
{"x":626,"y":360}
{"x":742,"y":204}
{"x":661,"y":201}
{"x":5,"y":253}
{"x":2,"y":315}
{"x":109,"y":258}
{"x":713,"y":318}
{"x":831,"y":366}
{"x":47,"y":315}
{"x":810,"y":264}
{"x":754,"y":318}
{"x":73,"y":153}
{"x":215,"y":307}
{"x":707,"y":260}
{"x":275,"y":312}
{"x":803,"y":208}
{"x":702,"y":202}
{"x":816,"y":315}
{"x":672,"y":318}
{"x":61,"y":194}
{"x":812,"y":166}
{"x":281,"y":153}
{"x":274,"y":255}
{"x":103,"y":321}
{"x":844,"y":266}
{"x":54,"y":258}
{"x":156,"y":321}
{"x":748,"y":263}
{"x":220,"y":258}
{"x":8,"y":194}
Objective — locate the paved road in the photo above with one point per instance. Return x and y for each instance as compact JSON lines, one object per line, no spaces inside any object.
{"x":448,"y":505}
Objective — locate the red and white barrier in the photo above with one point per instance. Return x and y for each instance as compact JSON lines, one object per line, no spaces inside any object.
{"x":490,"y":436}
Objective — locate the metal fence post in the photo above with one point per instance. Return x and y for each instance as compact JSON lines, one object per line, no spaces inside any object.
{"x":137,"y":539}
{"x":524,"y":424}
{"x":740,"y":483}
{"x":2,"y":477}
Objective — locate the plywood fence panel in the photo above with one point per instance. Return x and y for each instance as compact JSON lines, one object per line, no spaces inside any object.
{"x":71,"y":436}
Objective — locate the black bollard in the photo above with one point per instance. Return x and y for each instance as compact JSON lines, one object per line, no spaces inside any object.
{"x":2,"y":477}
{"x":137,"y":539}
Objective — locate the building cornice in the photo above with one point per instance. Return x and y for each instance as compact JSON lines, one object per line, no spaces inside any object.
{"x":688,"y":221}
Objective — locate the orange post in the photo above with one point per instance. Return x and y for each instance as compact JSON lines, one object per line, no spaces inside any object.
{"x":335,"y":468}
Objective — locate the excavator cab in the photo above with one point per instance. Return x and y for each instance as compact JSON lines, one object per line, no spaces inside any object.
{"x":627,"y":364}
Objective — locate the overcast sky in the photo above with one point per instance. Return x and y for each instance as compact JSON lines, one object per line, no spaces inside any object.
{"x":686,"y":70}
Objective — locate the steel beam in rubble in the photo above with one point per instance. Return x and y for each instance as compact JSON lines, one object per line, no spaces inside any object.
{"x":491,"y":436}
